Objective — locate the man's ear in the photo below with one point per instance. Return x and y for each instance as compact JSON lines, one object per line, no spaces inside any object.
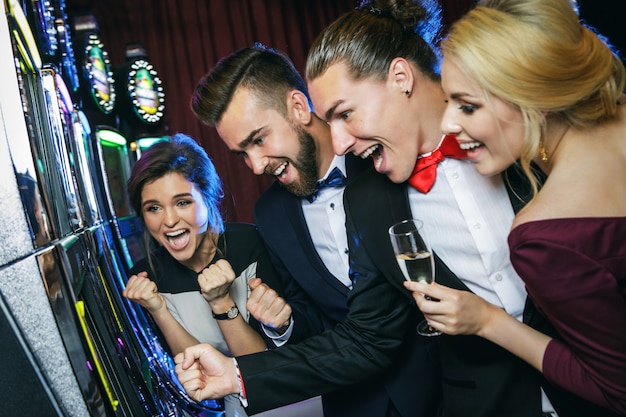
{"x":298,"y":105}
{"x":400,"y":76}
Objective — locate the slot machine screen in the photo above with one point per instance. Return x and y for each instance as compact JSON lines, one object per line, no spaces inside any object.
{"x":116,"y":165}
{"x":132,"y":239}
{"x":136,"y":247}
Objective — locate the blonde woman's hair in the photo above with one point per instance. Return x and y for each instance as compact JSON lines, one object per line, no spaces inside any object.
{"x":536,"y":55}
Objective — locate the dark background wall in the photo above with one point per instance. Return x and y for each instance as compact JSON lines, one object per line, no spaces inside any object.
{"x":185,"y":38}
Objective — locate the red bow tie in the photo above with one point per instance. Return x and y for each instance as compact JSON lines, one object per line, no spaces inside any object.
{"x":423,"y":176}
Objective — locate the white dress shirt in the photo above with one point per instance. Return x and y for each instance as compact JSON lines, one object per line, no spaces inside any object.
{"x":325,"y":218}
{"x":326,"y":221}
{"x":467,"y":218}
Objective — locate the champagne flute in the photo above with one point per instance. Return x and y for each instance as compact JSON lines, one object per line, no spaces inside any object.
{"x":415,"y":259}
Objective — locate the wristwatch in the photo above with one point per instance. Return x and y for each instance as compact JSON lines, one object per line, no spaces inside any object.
{"x":232,"y":313}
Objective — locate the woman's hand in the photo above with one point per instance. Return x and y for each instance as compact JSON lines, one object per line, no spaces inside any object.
{"x":215,"y":282}
{"x":144,"y":291}
{"x":456,"y":312}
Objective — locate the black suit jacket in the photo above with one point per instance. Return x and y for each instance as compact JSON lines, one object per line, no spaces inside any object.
{"x":317,"y":298}
{"x":372,"y":358}
{"x":479,"y":379}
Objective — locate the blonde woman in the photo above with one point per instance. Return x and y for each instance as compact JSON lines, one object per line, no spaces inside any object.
{"x":526,"y":82}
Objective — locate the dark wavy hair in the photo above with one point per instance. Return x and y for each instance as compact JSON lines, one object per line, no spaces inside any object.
{"x":183,"y":155}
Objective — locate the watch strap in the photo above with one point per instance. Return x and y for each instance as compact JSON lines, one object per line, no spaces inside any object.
{"x":231,"y":314}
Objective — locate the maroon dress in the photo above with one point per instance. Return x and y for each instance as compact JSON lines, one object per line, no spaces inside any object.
{"x":575,"y":272}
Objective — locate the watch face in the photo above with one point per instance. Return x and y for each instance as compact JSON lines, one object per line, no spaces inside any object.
{"x":233,"y":312}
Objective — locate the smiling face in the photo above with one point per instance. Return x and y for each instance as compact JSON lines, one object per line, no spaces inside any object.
{"x":368,"y":117}
{"x":269,"y":143}
{"x":491,"y":129}
{"x":176,"y":215}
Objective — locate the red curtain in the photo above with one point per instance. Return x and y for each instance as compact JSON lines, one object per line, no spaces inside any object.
{"x":185,"y":38}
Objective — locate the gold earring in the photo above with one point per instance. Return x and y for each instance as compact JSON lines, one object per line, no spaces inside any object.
{"x":543,"y":153}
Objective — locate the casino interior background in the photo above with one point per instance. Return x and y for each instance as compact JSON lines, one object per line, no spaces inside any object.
{"x":86,"y":86}
{"x":210,"y":30}
{"x":185,"y":39}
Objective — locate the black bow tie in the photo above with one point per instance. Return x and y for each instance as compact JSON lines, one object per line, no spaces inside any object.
{"x":334,"y":179}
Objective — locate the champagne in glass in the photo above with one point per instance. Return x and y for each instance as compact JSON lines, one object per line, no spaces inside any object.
{"x":416,"y":266}
{"x":414,"y":258}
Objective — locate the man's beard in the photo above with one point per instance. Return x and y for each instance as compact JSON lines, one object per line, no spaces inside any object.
{"x":305,"y":164}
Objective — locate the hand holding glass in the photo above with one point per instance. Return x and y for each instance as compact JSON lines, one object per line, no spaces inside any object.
{"x":414,"y":258}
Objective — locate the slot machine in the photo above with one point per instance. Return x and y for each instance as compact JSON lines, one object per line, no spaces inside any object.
{"x":31,"y":147}
{"x":79,"y":345}
{"x":141,"y":108}
{"x":114,"y":172}
{"x":59,"y":112}
{"x":142,"y":97}
{"x":47,"y":165}
{"x":97,"y":90}
{"x":33,"y":335}
{"x":157,"y":367}
{"x":111,"y":356}
{"x":34,"y":393}
{"x":43,"y":213}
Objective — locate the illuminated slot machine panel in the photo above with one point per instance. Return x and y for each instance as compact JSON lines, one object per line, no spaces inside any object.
{"x":106,"y":333}
{"x":114,"y":163}
{"x":153,"y":364}
{"x":144,"y":98}
{"x":141,"y":98}
{"x":73,"y":140}
{"x":85,"y":367}
{"x":83,"y":349}
{"x":60,"y":112}
{"x":97,"y":86}
{"x":83,"y":164}
{"x":48,"y":216}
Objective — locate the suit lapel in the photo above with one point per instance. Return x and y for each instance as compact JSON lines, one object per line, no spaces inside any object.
{"x":355,"y":166}
{"x":293,"y":213}
{"x":443,"y":275}
{"x":292,"y":207}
